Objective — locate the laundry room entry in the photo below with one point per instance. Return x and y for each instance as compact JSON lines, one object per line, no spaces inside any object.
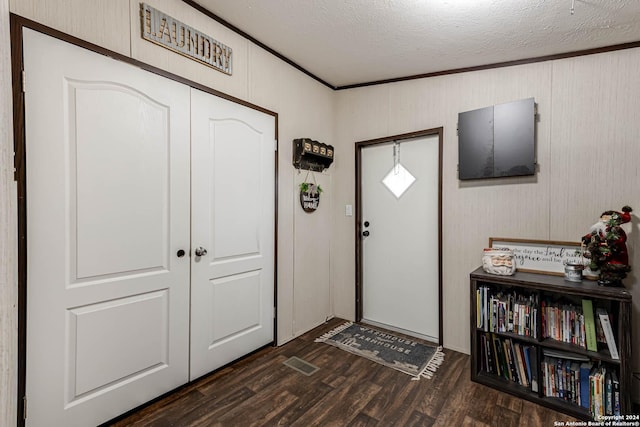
{"x":147,"y":262}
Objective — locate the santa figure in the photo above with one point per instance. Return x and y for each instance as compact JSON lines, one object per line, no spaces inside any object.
{"x":606,"y":247}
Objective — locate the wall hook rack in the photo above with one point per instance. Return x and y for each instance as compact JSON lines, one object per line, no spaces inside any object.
{"x":311,"y":155}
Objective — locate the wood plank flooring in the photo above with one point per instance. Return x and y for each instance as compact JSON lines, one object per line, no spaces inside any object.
{"x":347,"y":391}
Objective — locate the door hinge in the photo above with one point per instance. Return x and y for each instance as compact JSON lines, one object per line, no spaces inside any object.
{"x":275,"y":145}
{"x":274,"y":313}
{"x":24,"y":81}
{"x":24,"y":407}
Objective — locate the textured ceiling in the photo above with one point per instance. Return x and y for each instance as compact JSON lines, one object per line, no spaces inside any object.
{"x":346,"y":42}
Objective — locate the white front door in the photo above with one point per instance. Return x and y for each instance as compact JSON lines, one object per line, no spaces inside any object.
{"x":233,"y":220}
{"x":400,"y":249}
{"x":107,"y":211}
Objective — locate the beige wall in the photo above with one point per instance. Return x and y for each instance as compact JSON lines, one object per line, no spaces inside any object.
{"x":587,"y":149}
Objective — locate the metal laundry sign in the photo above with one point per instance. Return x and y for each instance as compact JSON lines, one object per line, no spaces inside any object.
{"x":172,"y":34}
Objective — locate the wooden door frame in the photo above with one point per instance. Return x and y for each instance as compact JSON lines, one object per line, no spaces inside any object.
{"x":17,"y":24}
{"x":358,"y":229}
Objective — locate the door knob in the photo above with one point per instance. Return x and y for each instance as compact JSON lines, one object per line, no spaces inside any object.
{"x":366,"y":223}
{"x":365,"y":233}
{"x":180,"y":253}
{"x":200,"y":251}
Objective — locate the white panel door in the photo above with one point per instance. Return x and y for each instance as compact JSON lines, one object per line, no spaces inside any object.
{"x":232,"y":208}
{"x":107,"y":210}
{"x":400,"y":252}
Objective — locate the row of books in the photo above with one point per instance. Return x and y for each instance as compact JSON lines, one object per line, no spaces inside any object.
{"x":510,"y":360}
{"x":563,"y":322}
{"x":577,"y":380}
{"x":579,"y":326}
{"x":566,"y":377}
{"x":513,"y":312}
{"x":499,"y":311}
{"x":604,"y":389}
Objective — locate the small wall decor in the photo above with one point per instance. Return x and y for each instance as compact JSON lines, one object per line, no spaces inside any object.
{"x":163,"y":30}
{"x":606,"y":247}
{"x":311,"y":155}
{"x":310,"y":194}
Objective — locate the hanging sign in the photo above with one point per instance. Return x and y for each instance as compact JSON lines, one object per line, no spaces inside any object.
{"x":310,"y":193}
{"x":172,"y":34}
{"x":309,"y":196}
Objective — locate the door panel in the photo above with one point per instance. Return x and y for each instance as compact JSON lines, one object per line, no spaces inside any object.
{"x":233,"y":208}
{"x":242,"y":292}
{"x":115,"y":341}
{"x":107,"y":209}
{"x":400,"y":253}
{"x":108,"y":147}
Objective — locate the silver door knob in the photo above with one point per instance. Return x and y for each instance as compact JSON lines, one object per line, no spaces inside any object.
{"x":201,"y":251}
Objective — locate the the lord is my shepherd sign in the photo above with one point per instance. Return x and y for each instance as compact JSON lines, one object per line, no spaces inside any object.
{"x":165,"y":31}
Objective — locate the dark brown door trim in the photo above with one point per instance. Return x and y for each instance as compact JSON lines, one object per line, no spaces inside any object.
{"x":18,"y":23}
{"x":358,"y":235}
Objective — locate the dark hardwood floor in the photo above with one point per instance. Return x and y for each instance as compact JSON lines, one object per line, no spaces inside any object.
{"x":347,"y":391}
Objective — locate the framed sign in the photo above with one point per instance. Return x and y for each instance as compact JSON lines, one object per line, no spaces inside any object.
{"x":540,"y":256}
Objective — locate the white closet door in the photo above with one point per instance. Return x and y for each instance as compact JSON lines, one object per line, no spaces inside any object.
{"x":233,"y":196}
{"x":107,"y":210}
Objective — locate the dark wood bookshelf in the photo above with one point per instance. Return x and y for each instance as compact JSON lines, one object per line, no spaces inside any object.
{"x":543,"y":285}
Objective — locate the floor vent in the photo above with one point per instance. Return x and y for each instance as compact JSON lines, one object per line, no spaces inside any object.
{"x":301,"y":366}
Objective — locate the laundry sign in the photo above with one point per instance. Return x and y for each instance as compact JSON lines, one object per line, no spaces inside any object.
{"x":172,"y":34}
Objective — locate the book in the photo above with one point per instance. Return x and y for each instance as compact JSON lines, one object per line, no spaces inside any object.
{"x":608,"y":394}
{"x":589,"y":325}
{"x":485,"y":305}
{"x":575,"y":382}
{"x":513,"y":374}
{"x":527,"y":360}
{"x":605,"y":321}
{"x":488,"y":356}
{"x":585,"y":369}
{"x":616,"y":393}
{"x":478,"y":309}
{"x":533,"y":356}
{"x":517,"y":349}
{"x":598,"y":394}
{"x":500,"y":357}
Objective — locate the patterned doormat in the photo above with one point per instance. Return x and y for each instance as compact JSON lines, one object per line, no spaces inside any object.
{"x":405,"y":355}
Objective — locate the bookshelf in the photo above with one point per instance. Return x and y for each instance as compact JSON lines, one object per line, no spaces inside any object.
{"x":529,"y":331}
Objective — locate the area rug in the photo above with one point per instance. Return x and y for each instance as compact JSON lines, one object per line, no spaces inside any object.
{"x":405,"y":355}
